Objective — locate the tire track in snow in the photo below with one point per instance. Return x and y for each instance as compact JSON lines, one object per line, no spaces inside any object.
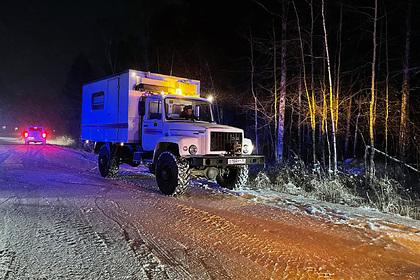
{"x":8,"y":266}
{"x":3,"y":157}
{"x":178,"y":257}
{"x":140,"y":247}
{"x":7,"y":258}
{"x":282,"y":262}
{"x":202,"y":262}
{"x":78,"y":235}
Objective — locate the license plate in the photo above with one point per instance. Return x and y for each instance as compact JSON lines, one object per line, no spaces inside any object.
{"x":236,"y":160}
{"x":31,"y":138}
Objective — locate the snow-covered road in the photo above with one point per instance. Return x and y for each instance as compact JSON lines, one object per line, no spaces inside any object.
{"x":60,"y":220}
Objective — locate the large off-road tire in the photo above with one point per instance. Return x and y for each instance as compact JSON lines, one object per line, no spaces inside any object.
{"x":172,"y":174}
{"x":234,"y":177}
{"x":107,"y":162}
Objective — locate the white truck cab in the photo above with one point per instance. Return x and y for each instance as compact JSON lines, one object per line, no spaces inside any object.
{"x":138,"y":117}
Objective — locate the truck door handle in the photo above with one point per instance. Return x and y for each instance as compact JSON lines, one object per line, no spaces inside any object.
{"x":145,"y":125}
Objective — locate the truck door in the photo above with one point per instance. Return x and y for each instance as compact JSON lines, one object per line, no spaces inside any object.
{"x":113,"y":106}
{"x":152,"y":124}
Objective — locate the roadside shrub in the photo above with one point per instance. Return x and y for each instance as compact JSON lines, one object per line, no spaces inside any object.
{"x":388,"y":195}
{"x":335,"y":191}
{"x":261,"y":181}
{"x":296,"y":179}
{"x":63,"y":141}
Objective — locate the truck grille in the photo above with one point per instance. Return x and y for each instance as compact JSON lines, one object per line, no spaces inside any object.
{"x":225,"y":141}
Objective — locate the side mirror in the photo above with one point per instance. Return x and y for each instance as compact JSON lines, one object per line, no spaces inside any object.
{"x":142,"y":107}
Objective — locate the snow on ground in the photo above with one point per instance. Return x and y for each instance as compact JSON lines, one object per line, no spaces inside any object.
{"x":400,"y":229}
{"x":60,"y":220}
{"x":404,"y":231}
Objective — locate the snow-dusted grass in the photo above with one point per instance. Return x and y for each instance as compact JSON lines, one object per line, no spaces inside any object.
{"x":388,"y":195}
{"x":383,"y":194}
{"x":62,"y":141}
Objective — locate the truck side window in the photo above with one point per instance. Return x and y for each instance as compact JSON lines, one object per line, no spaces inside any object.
{"x":98,"y":100}
{"x":155,"y":110}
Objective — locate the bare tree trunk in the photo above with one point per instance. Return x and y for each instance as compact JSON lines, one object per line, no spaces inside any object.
{"x":254,"y":95}
{"x":276,"y":119}
{"x":356,"y":128}
{"x":348,"y":120}
{"x":337,"y":91}
{"x":172,"y":63}
{"x":405,"y":87}
{"x":386,"y":94}
{"x":311,"y":106}
{"x":283,"y":76}
{"x":289,"y":138}
{"x":371,"y":172}
{"x":324,"y":112}
{"x":313,"y":83}
{"x":333,"y":136}
{"x":299,"y":123}
{"x":328,"y":145}
{"x":321,"y":141}
{"x":112,"y":61}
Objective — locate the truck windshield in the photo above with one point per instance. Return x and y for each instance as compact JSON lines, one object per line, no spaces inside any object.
{"x":188,"y":109}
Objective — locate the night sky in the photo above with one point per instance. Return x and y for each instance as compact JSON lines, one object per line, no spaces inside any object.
{"x":40,"y":39}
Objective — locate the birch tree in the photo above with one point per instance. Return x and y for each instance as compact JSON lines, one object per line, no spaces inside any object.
{"x":405,"y":86}
{"x":283,"y":76}
{"x":371,"y":171}
{"x":311,"y":49}
{"x":331,"y":97}
{"x":254,"y":95}
{"x":311,"y":101}
{"x":338,"y":88}
{"x":386,"y":92}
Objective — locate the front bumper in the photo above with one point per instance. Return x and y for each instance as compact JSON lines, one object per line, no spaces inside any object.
{"x":224,"y":161}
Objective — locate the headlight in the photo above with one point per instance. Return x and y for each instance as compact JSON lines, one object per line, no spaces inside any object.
{"x":193,"y":149}
{"x":247,"y":149}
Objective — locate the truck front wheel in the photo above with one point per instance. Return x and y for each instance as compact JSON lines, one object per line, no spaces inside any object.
{"x":107,"y":162}
{"x":172,"y":174}
{"x":234,"y":177}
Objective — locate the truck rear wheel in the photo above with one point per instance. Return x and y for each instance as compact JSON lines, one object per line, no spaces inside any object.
{"x":107,"y":162}
{"x":172,"y":174}
{"x":234,"y":177}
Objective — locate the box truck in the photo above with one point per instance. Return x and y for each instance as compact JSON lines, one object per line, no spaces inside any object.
{"x":161,"y":121}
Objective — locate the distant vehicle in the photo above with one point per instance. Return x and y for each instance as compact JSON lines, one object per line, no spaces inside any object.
{"x":140,"y":117}
{"x":35,"y":134}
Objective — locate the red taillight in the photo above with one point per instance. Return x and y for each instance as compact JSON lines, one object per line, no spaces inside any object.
{"x":25,"y":134}
{"x":44,"y":135}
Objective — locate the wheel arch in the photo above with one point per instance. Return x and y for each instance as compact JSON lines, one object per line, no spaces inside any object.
{"x":165,"y":146}
{"x":98,"y":146}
